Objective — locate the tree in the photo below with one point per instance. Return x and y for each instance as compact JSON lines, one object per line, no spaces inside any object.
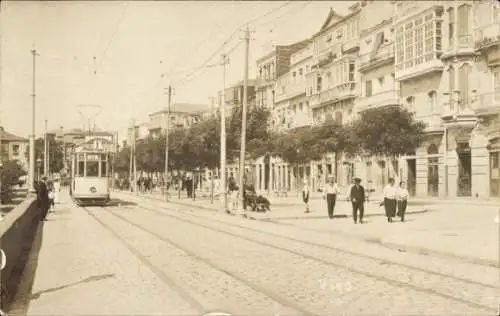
{"x":151,"y":154}
{"x":56,"y":154}
{"x":11,"y":171}
{"x":258,"y":136}
{"x":389,"y":131}
{"x":204,"y":138}
{"x":122,"y":161}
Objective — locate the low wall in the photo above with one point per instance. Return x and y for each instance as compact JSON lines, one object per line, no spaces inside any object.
{"x":17,"y":231}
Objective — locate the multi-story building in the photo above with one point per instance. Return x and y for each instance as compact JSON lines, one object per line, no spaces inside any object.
{"x":182,"y":115}
{"x":378,"y":87}
{"x":14,"y":148}
{"x":233,"y":96}
{"x":334,"y":84}
{"x":140,"y":131}
{"x":447,"y":78}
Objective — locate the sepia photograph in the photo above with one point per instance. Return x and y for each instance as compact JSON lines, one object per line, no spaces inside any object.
{"x":249,"y":158}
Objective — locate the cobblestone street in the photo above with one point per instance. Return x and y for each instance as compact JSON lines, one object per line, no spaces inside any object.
{"x":204,"y":261}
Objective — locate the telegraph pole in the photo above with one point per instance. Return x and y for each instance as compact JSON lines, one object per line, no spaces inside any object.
{"x":31,"y":173}
{"x":134,"y":157}
{"x":46,"y":152}
{"x":246,"y":38}
{"x":167,"y":142}
{"x":224,"y":63}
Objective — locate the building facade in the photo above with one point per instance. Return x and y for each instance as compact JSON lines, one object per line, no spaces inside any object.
{"x":182,"y":115}
{"x":14,"y":148}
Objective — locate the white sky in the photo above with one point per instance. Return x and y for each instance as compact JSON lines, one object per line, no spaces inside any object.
{"x":129,"y":39}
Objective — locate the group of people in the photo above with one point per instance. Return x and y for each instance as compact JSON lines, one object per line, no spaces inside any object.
{"x":395,"y":199}
{"x":47,"y":195}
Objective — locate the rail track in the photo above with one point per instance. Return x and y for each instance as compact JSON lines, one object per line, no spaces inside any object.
{"x":455,"y":288}
{"x":185,"y":294}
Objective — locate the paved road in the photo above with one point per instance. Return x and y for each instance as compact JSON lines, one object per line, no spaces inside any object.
{"x":141,"y":257}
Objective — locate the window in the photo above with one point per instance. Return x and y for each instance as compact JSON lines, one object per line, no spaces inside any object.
{"x":463,"y":21}
{"x":338,"y":117}
{"x":381,"y":82}
{"x":410,"y":104}
{"x":464,"y":73}
{"x":92,"y":168}
{"x":300,"y":72}
{"x":368,"y":88}
{"x":451,"y":25}
{"x":15,"y":150}
{"x":496,"y":78}
{"x":318,"y":83}
{"x":432,"y":100}
{"x":81,"y":168}
{"x":352,"y":69}
{"x":103,"y":169}
{"x":418,"y":41}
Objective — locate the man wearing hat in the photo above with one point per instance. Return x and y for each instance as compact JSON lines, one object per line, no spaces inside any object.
{"x":43,"y":198}
{"x":357,"y":196}
{"x":330,"y":195}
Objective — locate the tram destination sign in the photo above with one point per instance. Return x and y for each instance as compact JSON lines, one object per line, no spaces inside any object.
{"x":93,"y":157}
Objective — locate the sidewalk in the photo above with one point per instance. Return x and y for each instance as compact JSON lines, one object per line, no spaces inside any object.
{"x":456,"y":230}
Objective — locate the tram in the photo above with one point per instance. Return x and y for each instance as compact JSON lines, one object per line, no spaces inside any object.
{"x":90,"y":176}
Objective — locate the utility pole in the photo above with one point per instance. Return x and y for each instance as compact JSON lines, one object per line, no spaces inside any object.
{"x":246,"y":38}
{"x":167,"y":142}
{"x":31,"y":173}
{"x":130,"y":168}
{"x":46,"y":153}
{"x":134,"y":157}
{"x":223,"y":155}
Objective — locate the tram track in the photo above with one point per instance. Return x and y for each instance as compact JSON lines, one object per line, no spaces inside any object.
{"x":185,"y":294}
{"x":451,"y":290}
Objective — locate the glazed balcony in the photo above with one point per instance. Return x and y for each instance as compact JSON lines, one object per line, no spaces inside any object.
{"x":381,"y":99}
{"x":341,"y":92}
{"x":384,"y":55}
{"x":487,"y":36}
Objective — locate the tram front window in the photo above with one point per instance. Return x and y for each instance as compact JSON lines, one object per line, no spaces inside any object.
{"x":81,"y":168}
{"x":92,"y":168}
{"x":103,"y":169}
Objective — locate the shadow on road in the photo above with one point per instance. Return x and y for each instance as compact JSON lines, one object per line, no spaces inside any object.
{"x":120,"y":202}
{"x":93,"y":278}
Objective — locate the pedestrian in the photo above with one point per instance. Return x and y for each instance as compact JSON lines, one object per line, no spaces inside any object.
{"x":57,"y":189}
{"x":402,"y":196}
{"x":305,"y":196}
{"x":358,"y":197}
{"x":43,"y":198}
{"x":51,"y":195}
{"x":330,"y":195}
{"x":390,"y":203}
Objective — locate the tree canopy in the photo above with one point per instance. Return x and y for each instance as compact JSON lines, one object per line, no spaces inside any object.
{"x":56,"y":154}
{"x":387,"y":131}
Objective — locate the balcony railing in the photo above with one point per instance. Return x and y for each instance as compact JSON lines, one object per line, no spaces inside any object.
{"x":487,"y":35}
{"x":385,"y":52}
{"x":343,"y":91}
{"x":384,"y":98}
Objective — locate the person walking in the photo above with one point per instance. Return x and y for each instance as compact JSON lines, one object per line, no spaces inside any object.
{"x":330,"y":195}
{"x":43,"y":198}
{"x":57,"y":189}
{"x":305,"y":196}
{"x":390,"y":200}
{"x":358,"y":197}
{"x":402,"y":196}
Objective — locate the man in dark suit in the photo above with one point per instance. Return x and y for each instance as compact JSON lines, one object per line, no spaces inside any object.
{"x":43,"y":198}
{"x":357,"y":196}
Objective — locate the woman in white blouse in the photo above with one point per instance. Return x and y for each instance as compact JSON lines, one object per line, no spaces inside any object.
{"x":402,"y":196}
{"x":390,"y":196}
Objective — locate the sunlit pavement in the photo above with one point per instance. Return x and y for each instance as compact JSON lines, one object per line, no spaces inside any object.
{"x":470,"y":232}
{"x":143,"y":256}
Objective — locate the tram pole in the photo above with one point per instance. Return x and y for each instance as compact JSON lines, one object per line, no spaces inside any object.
{"x":167,"y":141}
{"x":134,"y":157}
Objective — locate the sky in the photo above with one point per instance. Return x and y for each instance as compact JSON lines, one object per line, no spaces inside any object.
{"x":114,"y":60}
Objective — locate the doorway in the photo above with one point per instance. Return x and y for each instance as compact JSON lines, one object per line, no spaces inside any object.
{"x":464,"y":185}
{"x":432,"y":171}
{"x":495,"y":174}
{"x":412,"y":176}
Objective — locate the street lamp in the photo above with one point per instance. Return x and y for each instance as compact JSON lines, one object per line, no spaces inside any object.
{"x":39,"y":165}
